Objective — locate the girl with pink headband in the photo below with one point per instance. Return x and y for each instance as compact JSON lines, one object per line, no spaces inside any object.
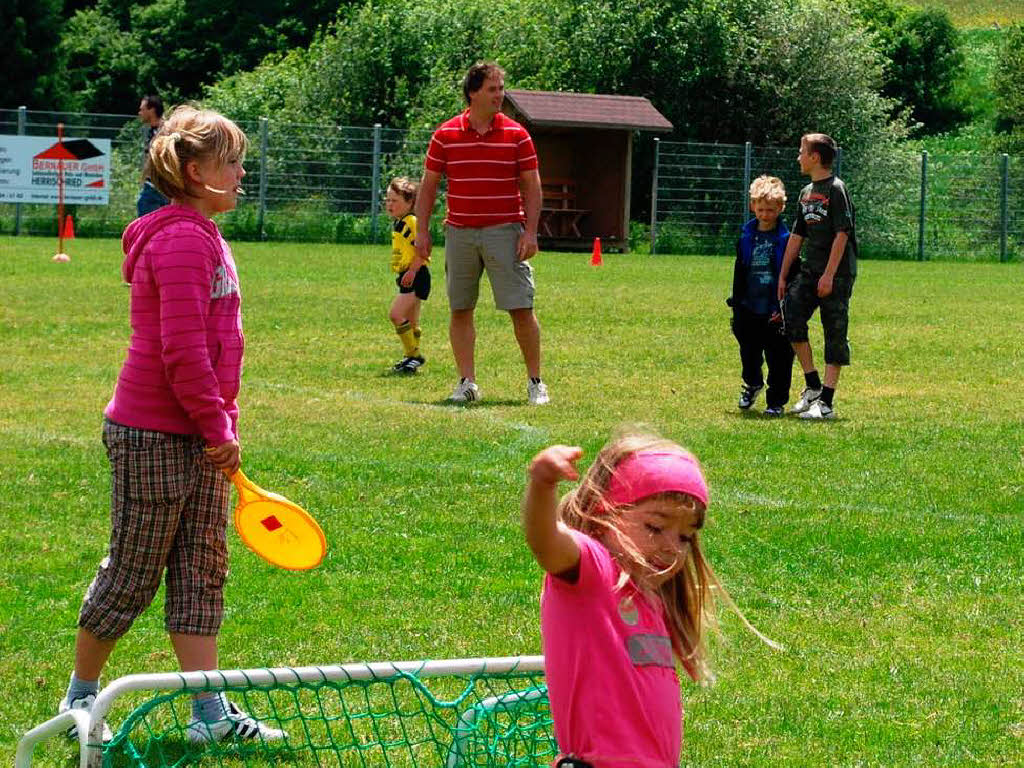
{"x":627,"y":594}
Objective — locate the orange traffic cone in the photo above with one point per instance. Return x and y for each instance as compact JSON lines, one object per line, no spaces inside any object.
{"x":69,"y":228}
{"x":595,"y":257}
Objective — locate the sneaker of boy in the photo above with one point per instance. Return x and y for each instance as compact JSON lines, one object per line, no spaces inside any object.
{"x":537,"y":392}
{"x":807,"y":397}
{"x":82,"y":702}
{"x":465,"y":391}
{"x":748,"y":395}
{"x":412,"y":364}
{"x":819,"y":409}
{"x":774,"y":411}
{"x":235,"y":721}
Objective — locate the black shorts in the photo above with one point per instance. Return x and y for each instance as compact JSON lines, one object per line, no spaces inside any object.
{"x":420,"y":284}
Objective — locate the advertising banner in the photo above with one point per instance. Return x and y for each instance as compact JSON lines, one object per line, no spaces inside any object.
{"x":29,"y":170}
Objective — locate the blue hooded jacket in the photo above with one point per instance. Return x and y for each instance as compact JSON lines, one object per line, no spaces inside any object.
{"x":744,"y":252}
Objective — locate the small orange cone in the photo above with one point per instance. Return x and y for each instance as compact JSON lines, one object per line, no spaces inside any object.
{"x":69,"y":228}
{"x":595,"y":258}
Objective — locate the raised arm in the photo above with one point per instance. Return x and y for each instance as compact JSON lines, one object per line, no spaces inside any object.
{"x":550,"y":541}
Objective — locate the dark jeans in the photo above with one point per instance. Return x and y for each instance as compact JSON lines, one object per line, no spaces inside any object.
{"x":761,"y":340}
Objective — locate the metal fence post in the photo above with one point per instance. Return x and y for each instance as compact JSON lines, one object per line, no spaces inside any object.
{"x":924,"y":203}
{"x":1004,"y":208}
{"x":22,"y":119}
{"x":654,"y":198}
{"x":375,"y":185}
{"x":748,"y":151}
{"x":264,"y":146}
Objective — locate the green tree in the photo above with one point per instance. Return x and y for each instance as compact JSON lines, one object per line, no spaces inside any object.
{"x":1008,"y":81}
{"x":29,"y":35}
{"x":101,"y":64}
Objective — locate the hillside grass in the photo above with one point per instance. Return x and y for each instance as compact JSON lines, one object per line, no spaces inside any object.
{"x":884,"y":550}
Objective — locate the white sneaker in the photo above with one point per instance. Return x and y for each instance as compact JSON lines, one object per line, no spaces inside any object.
{"x":537,"y":392}
{"x":465,"y":391}
{"x":819,"y":409}
{"x":82,"y":702}
{"x":807,"y":397}
{"x":235,"y":722}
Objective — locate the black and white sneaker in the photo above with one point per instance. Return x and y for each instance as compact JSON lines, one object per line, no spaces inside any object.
{"x":819,"y":409}
{"x":412,"y":364}
{"x":807,"y":397}
{"x":82,"y":702}
{"x":236,"y":722}
{"x":748,"y":395}
{"x":775,"y":411}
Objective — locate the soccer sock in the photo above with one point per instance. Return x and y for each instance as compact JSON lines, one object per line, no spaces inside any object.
{"x":210,"y":707}
{"x":535,"y":379}
{"x":79,"y":688}
{"x":417,"y":332}
{"x":827,"y":393}
{"x":404,"y":331}
{"x":812,"y":379}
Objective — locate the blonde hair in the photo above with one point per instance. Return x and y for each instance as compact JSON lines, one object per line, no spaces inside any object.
{"x":768,"y":188}
{"x":406,"y":188}
{"x":190,"y":134}
{"x":688,"y":596}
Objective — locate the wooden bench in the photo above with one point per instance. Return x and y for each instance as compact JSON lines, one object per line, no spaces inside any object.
{"x":559,"y":216}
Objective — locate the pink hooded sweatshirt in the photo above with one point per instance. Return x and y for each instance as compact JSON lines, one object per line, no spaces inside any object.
{"x":184,"y":362}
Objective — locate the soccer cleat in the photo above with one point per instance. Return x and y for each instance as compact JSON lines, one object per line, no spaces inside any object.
{"x":412,"y":364}
{"x":235,"y":722}
{"x":807,"y":397}
{"x":465,"y":391}
{"x":748,"y":395}
{"x":774,"y":411}
{"x":819,"y":409}
{"x":82,"y":702}
{"x":537,"y":392}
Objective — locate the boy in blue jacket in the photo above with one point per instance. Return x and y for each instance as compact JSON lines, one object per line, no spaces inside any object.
{"x":756,"y":317}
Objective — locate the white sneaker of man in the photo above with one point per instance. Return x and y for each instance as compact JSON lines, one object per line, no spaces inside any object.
{"x":537,"y":392}
{"x":466,"y":391}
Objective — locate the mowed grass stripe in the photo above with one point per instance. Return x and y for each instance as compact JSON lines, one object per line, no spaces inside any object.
{"x":883,"y":550}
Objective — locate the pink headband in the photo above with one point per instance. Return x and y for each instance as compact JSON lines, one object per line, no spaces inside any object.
{"x":645,"y":474}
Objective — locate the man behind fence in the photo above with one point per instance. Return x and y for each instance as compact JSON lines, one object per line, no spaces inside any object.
{"x":494,"y":198}
{"x":151,"y":115}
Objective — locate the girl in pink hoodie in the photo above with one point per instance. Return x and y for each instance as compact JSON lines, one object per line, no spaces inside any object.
{"x":171,"y":427}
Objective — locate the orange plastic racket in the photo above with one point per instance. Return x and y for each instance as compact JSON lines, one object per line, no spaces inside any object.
{"x":278,"y":530}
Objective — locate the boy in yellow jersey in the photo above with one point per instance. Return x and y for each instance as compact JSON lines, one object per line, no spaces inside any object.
{"x":413,"y":275}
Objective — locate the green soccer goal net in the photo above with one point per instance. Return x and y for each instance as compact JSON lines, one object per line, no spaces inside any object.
{"x":465,"y":713}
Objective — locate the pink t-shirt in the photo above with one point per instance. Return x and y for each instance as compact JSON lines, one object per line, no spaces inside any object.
{"x":611,"y":677}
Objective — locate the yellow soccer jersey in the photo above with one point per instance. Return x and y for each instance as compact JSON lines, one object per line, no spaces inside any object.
{"x":403,"y":243}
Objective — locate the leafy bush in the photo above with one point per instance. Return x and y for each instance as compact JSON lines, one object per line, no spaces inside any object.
{"x":924,"y":60}
{"x":1008,"y":81}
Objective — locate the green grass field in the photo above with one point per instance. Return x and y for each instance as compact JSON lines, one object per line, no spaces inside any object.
{"x":977,"y":13}
{"x":885,"y":550}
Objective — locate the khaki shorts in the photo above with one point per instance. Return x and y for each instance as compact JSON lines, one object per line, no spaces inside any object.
{"x":468,"y":251}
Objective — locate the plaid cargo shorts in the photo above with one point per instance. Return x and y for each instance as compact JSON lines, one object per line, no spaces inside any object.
{"x":168,"y":512}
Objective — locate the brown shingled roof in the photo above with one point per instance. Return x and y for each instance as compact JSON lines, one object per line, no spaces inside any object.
{"x":587,"y":110}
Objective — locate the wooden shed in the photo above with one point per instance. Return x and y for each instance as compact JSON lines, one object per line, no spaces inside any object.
{"x":585,"y":146}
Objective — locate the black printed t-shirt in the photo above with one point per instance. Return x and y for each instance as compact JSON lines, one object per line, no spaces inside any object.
{"x":825,"y":209}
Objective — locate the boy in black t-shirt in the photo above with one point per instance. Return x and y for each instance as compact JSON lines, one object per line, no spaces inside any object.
{"x":825,"y":221}
{"x":756,"y":318}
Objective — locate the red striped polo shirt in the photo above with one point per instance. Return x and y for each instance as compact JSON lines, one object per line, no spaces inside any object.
{"x":483,"y":170}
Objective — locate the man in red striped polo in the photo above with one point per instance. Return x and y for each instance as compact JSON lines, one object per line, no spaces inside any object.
{"x":494,"y":199}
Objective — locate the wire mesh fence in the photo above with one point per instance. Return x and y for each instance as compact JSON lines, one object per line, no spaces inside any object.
{"x":320,"y":182}
{"x":961,"y":207}
{"x":310,"y":182}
